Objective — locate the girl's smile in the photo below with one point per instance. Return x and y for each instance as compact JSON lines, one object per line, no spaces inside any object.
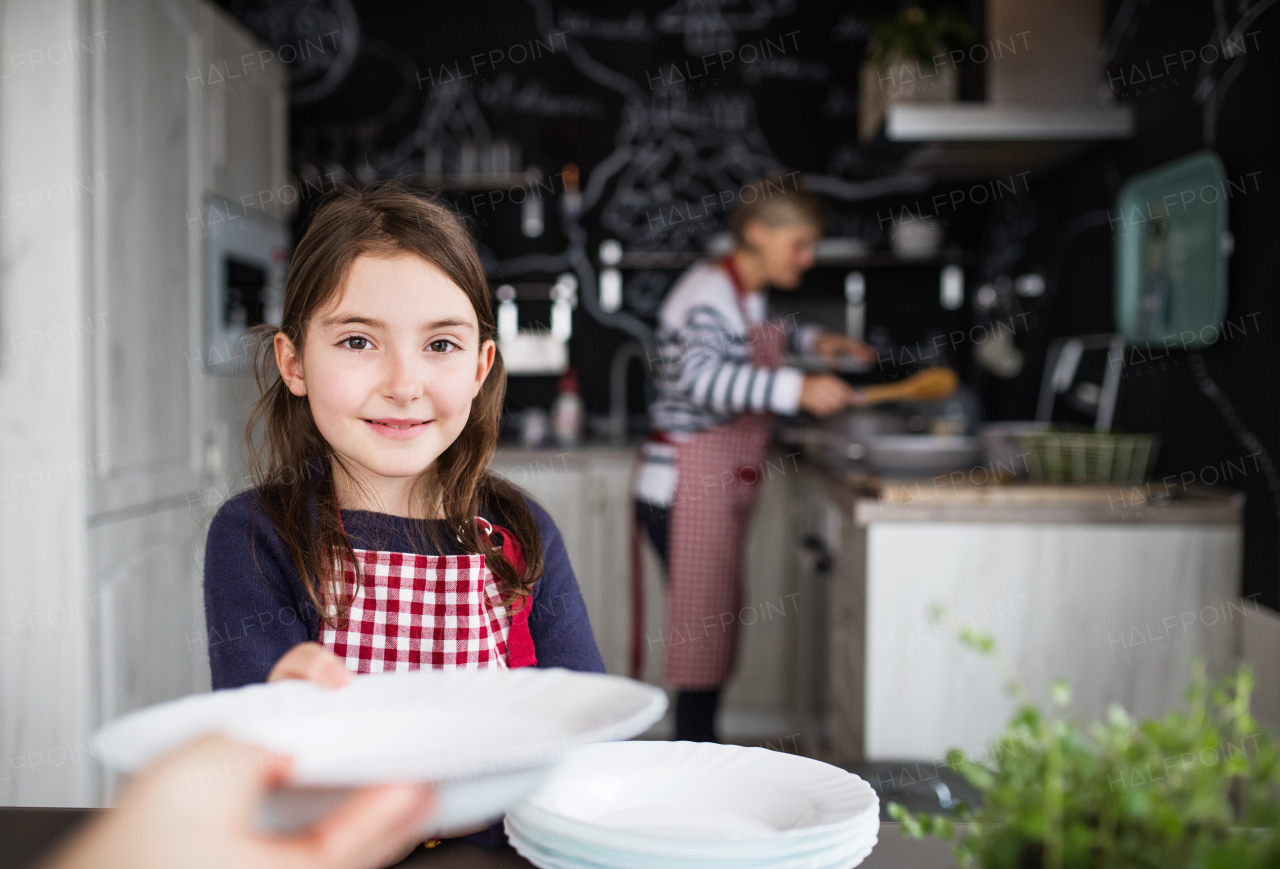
{"x":398,"y":428}
{"x":390,"y":369}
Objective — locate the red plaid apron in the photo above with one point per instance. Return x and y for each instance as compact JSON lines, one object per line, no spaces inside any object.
{"x":444,"y":612}
{"x":708,"y":523}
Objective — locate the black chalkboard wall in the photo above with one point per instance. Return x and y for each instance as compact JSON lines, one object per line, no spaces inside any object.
{"x":655,"y":106}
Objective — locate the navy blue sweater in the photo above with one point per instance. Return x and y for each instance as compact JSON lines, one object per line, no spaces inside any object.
{"x":256,"y":608}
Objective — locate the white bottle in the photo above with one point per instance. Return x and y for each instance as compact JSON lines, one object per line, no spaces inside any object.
{"x":567,"y":412}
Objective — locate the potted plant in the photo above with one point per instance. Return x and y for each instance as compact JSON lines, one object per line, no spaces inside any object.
{"x":907,"y":62}
{"x":1197,"y":788}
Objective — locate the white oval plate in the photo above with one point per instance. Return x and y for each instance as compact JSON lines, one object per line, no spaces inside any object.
{"x":425,"y":725}
{"x":842,"y":852}
{"x":622,"y":850}
{"x":690,"y":799}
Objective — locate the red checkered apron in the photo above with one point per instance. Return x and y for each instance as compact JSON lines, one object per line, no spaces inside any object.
{"x":717,"y":474}
{"x":443,"y":612}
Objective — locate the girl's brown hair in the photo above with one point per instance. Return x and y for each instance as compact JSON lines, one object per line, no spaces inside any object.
{"x":286,"y":449}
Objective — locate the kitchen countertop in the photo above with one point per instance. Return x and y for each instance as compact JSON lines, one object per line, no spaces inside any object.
{"x":938,"y":499}
{"x":515,"y":453}
{"x":941,"y":498}
{"x":28,"y":834}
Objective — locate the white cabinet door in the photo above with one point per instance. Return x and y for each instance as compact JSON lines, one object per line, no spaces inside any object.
{"x":588,"y":497}
{"x":1119,"y":612}
{"x":145,"y":123}
{"x":166,"y":430}
{"x":145,"y":130}
{"x":246,"y":99}
{"x":605,"y":571}
{"x":152,"y":631}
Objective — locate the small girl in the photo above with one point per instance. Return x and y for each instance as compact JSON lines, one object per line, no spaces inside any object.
{"x":375,"y":537}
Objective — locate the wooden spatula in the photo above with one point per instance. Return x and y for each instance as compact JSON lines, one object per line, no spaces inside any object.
{"x":928,"y":385}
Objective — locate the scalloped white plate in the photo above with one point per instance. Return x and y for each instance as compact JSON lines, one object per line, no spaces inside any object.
{"x":700,"y":801}
{"x":550,"y":851}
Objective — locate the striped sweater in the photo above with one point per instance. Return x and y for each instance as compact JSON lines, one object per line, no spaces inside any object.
{"x":703,"y":367}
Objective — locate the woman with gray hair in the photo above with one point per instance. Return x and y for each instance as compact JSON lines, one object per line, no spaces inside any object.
{"x":720,"y":378}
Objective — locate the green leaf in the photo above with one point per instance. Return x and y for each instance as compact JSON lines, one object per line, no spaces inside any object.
{"x":978,"y":641}
{"x":1198,"y":787}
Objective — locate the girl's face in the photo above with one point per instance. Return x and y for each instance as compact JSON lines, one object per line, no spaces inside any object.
{"x":391,"y":367}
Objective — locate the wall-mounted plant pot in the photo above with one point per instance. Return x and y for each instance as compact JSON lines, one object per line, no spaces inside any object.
{"x":896,"y":79}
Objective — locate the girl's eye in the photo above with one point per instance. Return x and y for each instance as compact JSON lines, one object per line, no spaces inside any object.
{"x":442,"y":345}
{"x":355,"y":342}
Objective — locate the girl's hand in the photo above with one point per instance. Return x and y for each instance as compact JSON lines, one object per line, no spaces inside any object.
{"x":312,"y":662}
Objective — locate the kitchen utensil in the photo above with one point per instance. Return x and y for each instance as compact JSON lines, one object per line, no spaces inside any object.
{"x":535,"y":427}
{"x":1170,"y":249}
{"x":916,"y":239}
{"x":1062,"y":377}
{"x":484,"y":736}
{"x":1089,"y":457}
{"x":1001,"y":452}
{"x":931,"y":384}
{"x":858,"y":424}
{"x":922,"y":454}
{"x":843,"y":247}
{"x":839,"y":441}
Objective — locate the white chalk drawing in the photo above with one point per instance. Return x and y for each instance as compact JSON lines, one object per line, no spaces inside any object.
{"x":531,"y":97}
{"x":324,"y":33}
{"x":679,"y":159}
{"x":708,"y":26}
{"x":584,"y":25}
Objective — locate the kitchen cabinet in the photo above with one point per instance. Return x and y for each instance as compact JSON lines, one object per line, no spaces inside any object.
{"x":587,"y":491}
{"x":118,"y":446}
{"x":1116,"y":594}
{"x":830,"y":683}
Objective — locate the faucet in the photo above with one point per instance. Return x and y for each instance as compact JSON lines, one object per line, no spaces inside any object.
{"x":622,"y":358}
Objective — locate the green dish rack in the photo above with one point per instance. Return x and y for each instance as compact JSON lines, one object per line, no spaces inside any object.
{"x":1088,"y":457}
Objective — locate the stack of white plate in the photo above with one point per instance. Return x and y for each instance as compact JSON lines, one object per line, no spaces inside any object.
{"x":486,"y":738}
{"x":681,"y":805}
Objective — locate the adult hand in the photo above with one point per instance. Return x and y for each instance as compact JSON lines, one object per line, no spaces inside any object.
{"x":195,"y":809}
{"x":312,"y":662}
{"x":825,"y":394}
{"x":831,"y":346}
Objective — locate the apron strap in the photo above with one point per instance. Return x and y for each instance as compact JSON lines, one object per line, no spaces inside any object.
{"x":520,"y":652}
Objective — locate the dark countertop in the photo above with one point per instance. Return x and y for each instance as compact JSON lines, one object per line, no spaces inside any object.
{"x":28,"y":834}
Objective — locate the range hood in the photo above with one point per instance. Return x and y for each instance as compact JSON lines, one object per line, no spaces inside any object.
{"x":1043,"y":70}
